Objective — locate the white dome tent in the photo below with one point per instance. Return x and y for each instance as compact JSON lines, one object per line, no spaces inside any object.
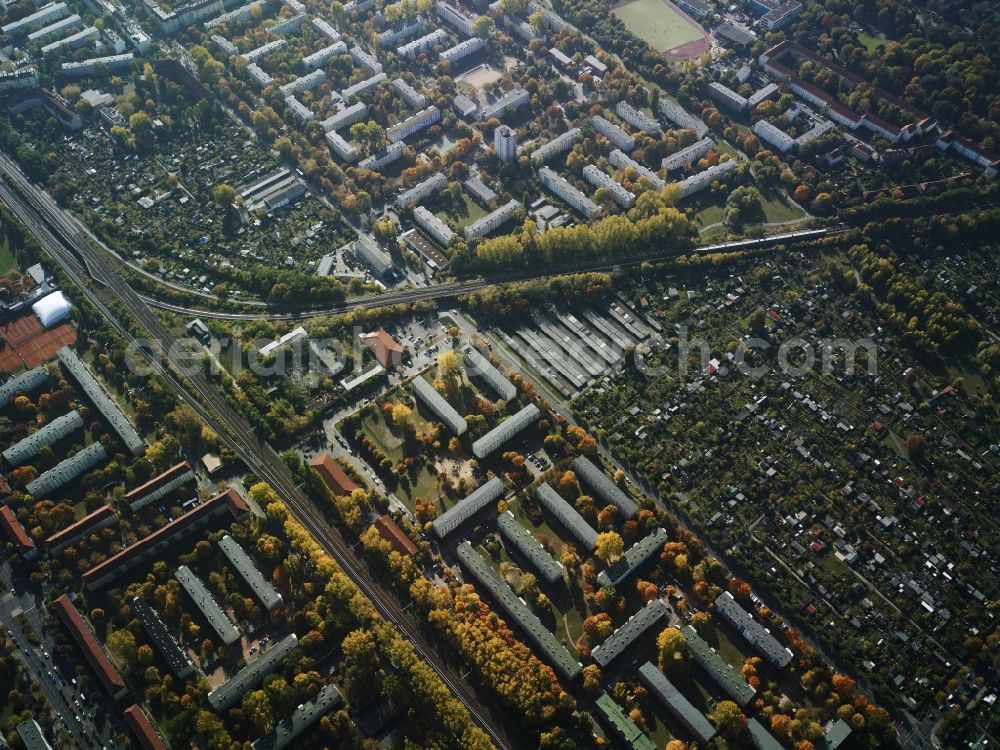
{"x":52,"y":309}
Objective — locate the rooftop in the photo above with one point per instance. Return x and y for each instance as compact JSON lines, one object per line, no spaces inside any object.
{"x":108,"y":674}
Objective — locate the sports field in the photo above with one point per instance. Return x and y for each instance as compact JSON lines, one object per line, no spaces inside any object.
{"x":661,"y":25}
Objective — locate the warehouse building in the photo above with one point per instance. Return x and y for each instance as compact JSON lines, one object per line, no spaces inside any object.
{"x":262,"y":589}
{"x":214,"y":615}
{"x":462,"y":511}
{"x":756,"y":634}
{"x":232,"y":690}
{"x":226,"y":506}
{"x":108,"y":409}
{"x":158,"y":633}
{"x":26,"y":449}
{"x":477,"y":364}
{"x":429,"y":397}
{"x":504,"y":431}
{"x":548,"y":568}
{"x":633,"y":558}
{"x":674,"y":701}
{"x":67,"y":470}
{"x":595,"y":478}
{"x":628,"y":633}
{"x":727,"y":678}
{"x":540,"y":637}
{"x":567,"y":516}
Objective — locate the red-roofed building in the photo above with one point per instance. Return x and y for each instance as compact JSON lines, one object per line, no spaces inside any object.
{"x":101,"y":518}
{"x":225,"y":504}
{"x":85,"y":639}
{"x":333,"y":475}
{"x":384,"y":347}
{"x":25,"y":544}
{"x":143,"y":728}
{"x":391,"y":532}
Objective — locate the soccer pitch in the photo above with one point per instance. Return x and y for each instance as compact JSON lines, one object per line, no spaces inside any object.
{"x":659,"y":25}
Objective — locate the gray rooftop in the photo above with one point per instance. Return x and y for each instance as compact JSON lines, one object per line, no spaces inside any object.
{"x":31,"y":735}
{"x":595,"y":478}
{"x":465,"y":509}
{"x":633,"y":558}
{"x":505,"y":431}
{"x":158,"y":633}
{"x":262,"y":589}
{"x":26,"y":449}
{"x":301,"y":719}
{"x":233,"y":689}
{"x":438,"y":404}
{"x":760,"y":737}
{"x":203,"y":599}
{"x":23,"y":383}
{"x":719,"y":670}
{"x":108,"y":409}
{"x":755,"y":633}
{"x":67,"y":470}
{"x":693,"y":719}
{"x":568,"y":516}
{"x":541,"y":637}
{"x":627,"y":634}
{"x":477,"y":364}
{"x":531,"y":548}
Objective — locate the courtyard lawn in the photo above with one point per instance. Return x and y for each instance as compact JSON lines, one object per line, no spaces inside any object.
{"x":871,"y":43}
{"x":778,"y":208}
{"x":657,"y":24}
{"x":464,"y":215}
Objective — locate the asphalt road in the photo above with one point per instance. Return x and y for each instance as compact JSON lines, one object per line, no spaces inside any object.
{"x":90,"y":270}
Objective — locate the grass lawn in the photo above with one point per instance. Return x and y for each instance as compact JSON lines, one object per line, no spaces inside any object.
{"x":6,"y":257}
{"x":709,"y":214}
{"x":871,"y":43}
{"x":661,"y":27}
{"x":463,"y":215}
{"x":778,"y":208}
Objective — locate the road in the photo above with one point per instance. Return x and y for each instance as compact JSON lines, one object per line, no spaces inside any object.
{"x":89,"y":270}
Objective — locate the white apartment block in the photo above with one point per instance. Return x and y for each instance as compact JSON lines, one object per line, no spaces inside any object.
{"x":345,"y":117}
{"x":454,"y":17}
{"x":505,"y":143}
{"x":568,"y":193}
{"x":365,"y":59}
{"x":422,"y":190}
{"x":304,"y":83}
{"x":492,"y":221}
{"x":423,"y":44}
{"x":773,"y":136}
{"x":408,"y":94}
{"x":324,"y":28}
{"x":413,"y":124}
{"x":321,"y":57}
{"x":761,"y":94}
{"x":243,"y":13}
{"x":294,"y":5}
{"x":264,"y":50}
{"x":341,"y":147}
{"x":389,"y":37}
{"x":383,"y":158}
{"x":110,"y":63}
{"x":261,"y":77}
{"x":62,"y":26}
{"x":557,"y":145}
{"x":817,"y":131}
{"x":728,"y":97}
{"x":687,"y":155}
{"x":463,"y":49}
{"x":702,"y":180}
{"x":289,"y":25}
{"x":437,"y":229}
{"x":635,"y":118}
{"x":44,"y":15}
{"x":362,"y":86}
{"x":680,"y":117}
{"x":224,"y":45}
{"x":618,"y":137}
{"x":81,"y":38}
{"x":513,"y":99}
{"x":300,"y":110}
{"x":619,"y":160}
{"x":24,"y":78}
{"x":598,"y":178}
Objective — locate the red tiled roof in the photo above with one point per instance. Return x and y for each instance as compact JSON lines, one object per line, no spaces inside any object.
{"x":333,"y":475}
{"x":143,"y":728}
{"x":384,"y":347}
{"x":391,"y":532}
{"x":156,"y":482}
{"x":236,"y":505}
{"x":15,"y":530}
{"x":843,"y":110}
{"x":80,"y":527}
{"x":97,"y":658}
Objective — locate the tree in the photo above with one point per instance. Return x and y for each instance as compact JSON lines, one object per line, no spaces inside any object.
{"x":483,"y":26}
{"x":729,"y":719}
{"x":671,"y":645}
{"x":121,"y":643}
{"x":257,"y":707}
{"x":609,"y":547}
{"x":916,"y":446}
{"x":513,"y":7}
{"x":402,"y":415}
